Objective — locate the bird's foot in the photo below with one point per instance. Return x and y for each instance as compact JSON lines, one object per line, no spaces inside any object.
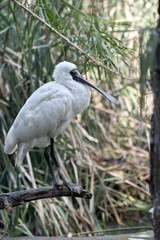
{"x":56,"y":185}
{"x":73,"y":187}
{"x":60,"y":189}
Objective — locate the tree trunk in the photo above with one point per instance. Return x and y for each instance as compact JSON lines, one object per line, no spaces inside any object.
{"x":155,"y":144}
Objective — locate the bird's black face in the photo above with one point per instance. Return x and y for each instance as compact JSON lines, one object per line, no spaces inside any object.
{"x":79,"y":78}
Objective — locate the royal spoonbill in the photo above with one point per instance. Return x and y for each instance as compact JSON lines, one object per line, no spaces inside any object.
{"x":47,"y":113}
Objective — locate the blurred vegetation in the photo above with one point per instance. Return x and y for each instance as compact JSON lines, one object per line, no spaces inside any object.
{"x":106,"y":148}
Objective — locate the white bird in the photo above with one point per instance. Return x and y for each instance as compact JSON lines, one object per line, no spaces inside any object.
{"x":47,"y":113}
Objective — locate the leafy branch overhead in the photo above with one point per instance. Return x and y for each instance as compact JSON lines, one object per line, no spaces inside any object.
{"x":105,"y":44}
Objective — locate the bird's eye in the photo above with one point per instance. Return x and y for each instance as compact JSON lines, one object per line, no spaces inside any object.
{"x":75,"y":74}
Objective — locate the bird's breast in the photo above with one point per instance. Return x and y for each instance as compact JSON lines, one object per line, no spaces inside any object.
{"x":81,"y":95}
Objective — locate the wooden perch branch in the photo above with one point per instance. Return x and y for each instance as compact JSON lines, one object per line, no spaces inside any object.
{"x":13,"y":199}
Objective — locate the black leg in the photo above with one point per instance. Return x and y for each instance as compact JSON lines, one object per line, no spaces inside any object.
{"x":59,"y":168}
{"x":54,"y":179}
{"x":56,"y":162}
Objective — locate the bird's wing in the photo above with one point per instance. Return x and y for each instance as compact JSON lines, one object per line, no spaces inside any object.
{"x":42,"y":114}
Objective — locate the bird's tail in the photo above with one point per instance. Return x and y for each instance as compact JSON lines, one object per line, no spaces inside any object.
{"x":10,"y":145}
{"x":23,"y":148}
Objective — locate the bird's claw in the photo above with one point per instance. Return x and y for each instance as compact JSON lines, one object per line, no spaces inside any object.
{"x":55,"y":186}
{"x":73,"y":187}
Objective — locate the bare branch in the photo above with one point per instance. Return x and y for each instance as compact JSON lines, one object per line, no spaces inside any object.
{"x":88,"y":56}
{"x":13,"y":199}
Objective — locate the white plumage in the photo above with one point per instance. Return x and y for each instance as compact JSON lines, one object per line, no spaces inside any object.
{"x":47,"y":113}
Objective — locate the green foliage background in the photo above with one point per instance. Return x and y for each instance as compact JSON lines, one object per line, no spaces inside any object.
{"x":106,"y":148}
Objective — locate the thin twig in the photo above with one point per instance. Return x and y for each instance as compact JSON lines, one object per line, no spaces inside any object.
{"x":88,"y":56}
{"x":113,"y":230}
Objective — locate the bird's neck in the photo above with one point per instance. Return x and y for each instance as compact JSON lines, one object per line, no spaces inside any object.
{"x":80,"y":96}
